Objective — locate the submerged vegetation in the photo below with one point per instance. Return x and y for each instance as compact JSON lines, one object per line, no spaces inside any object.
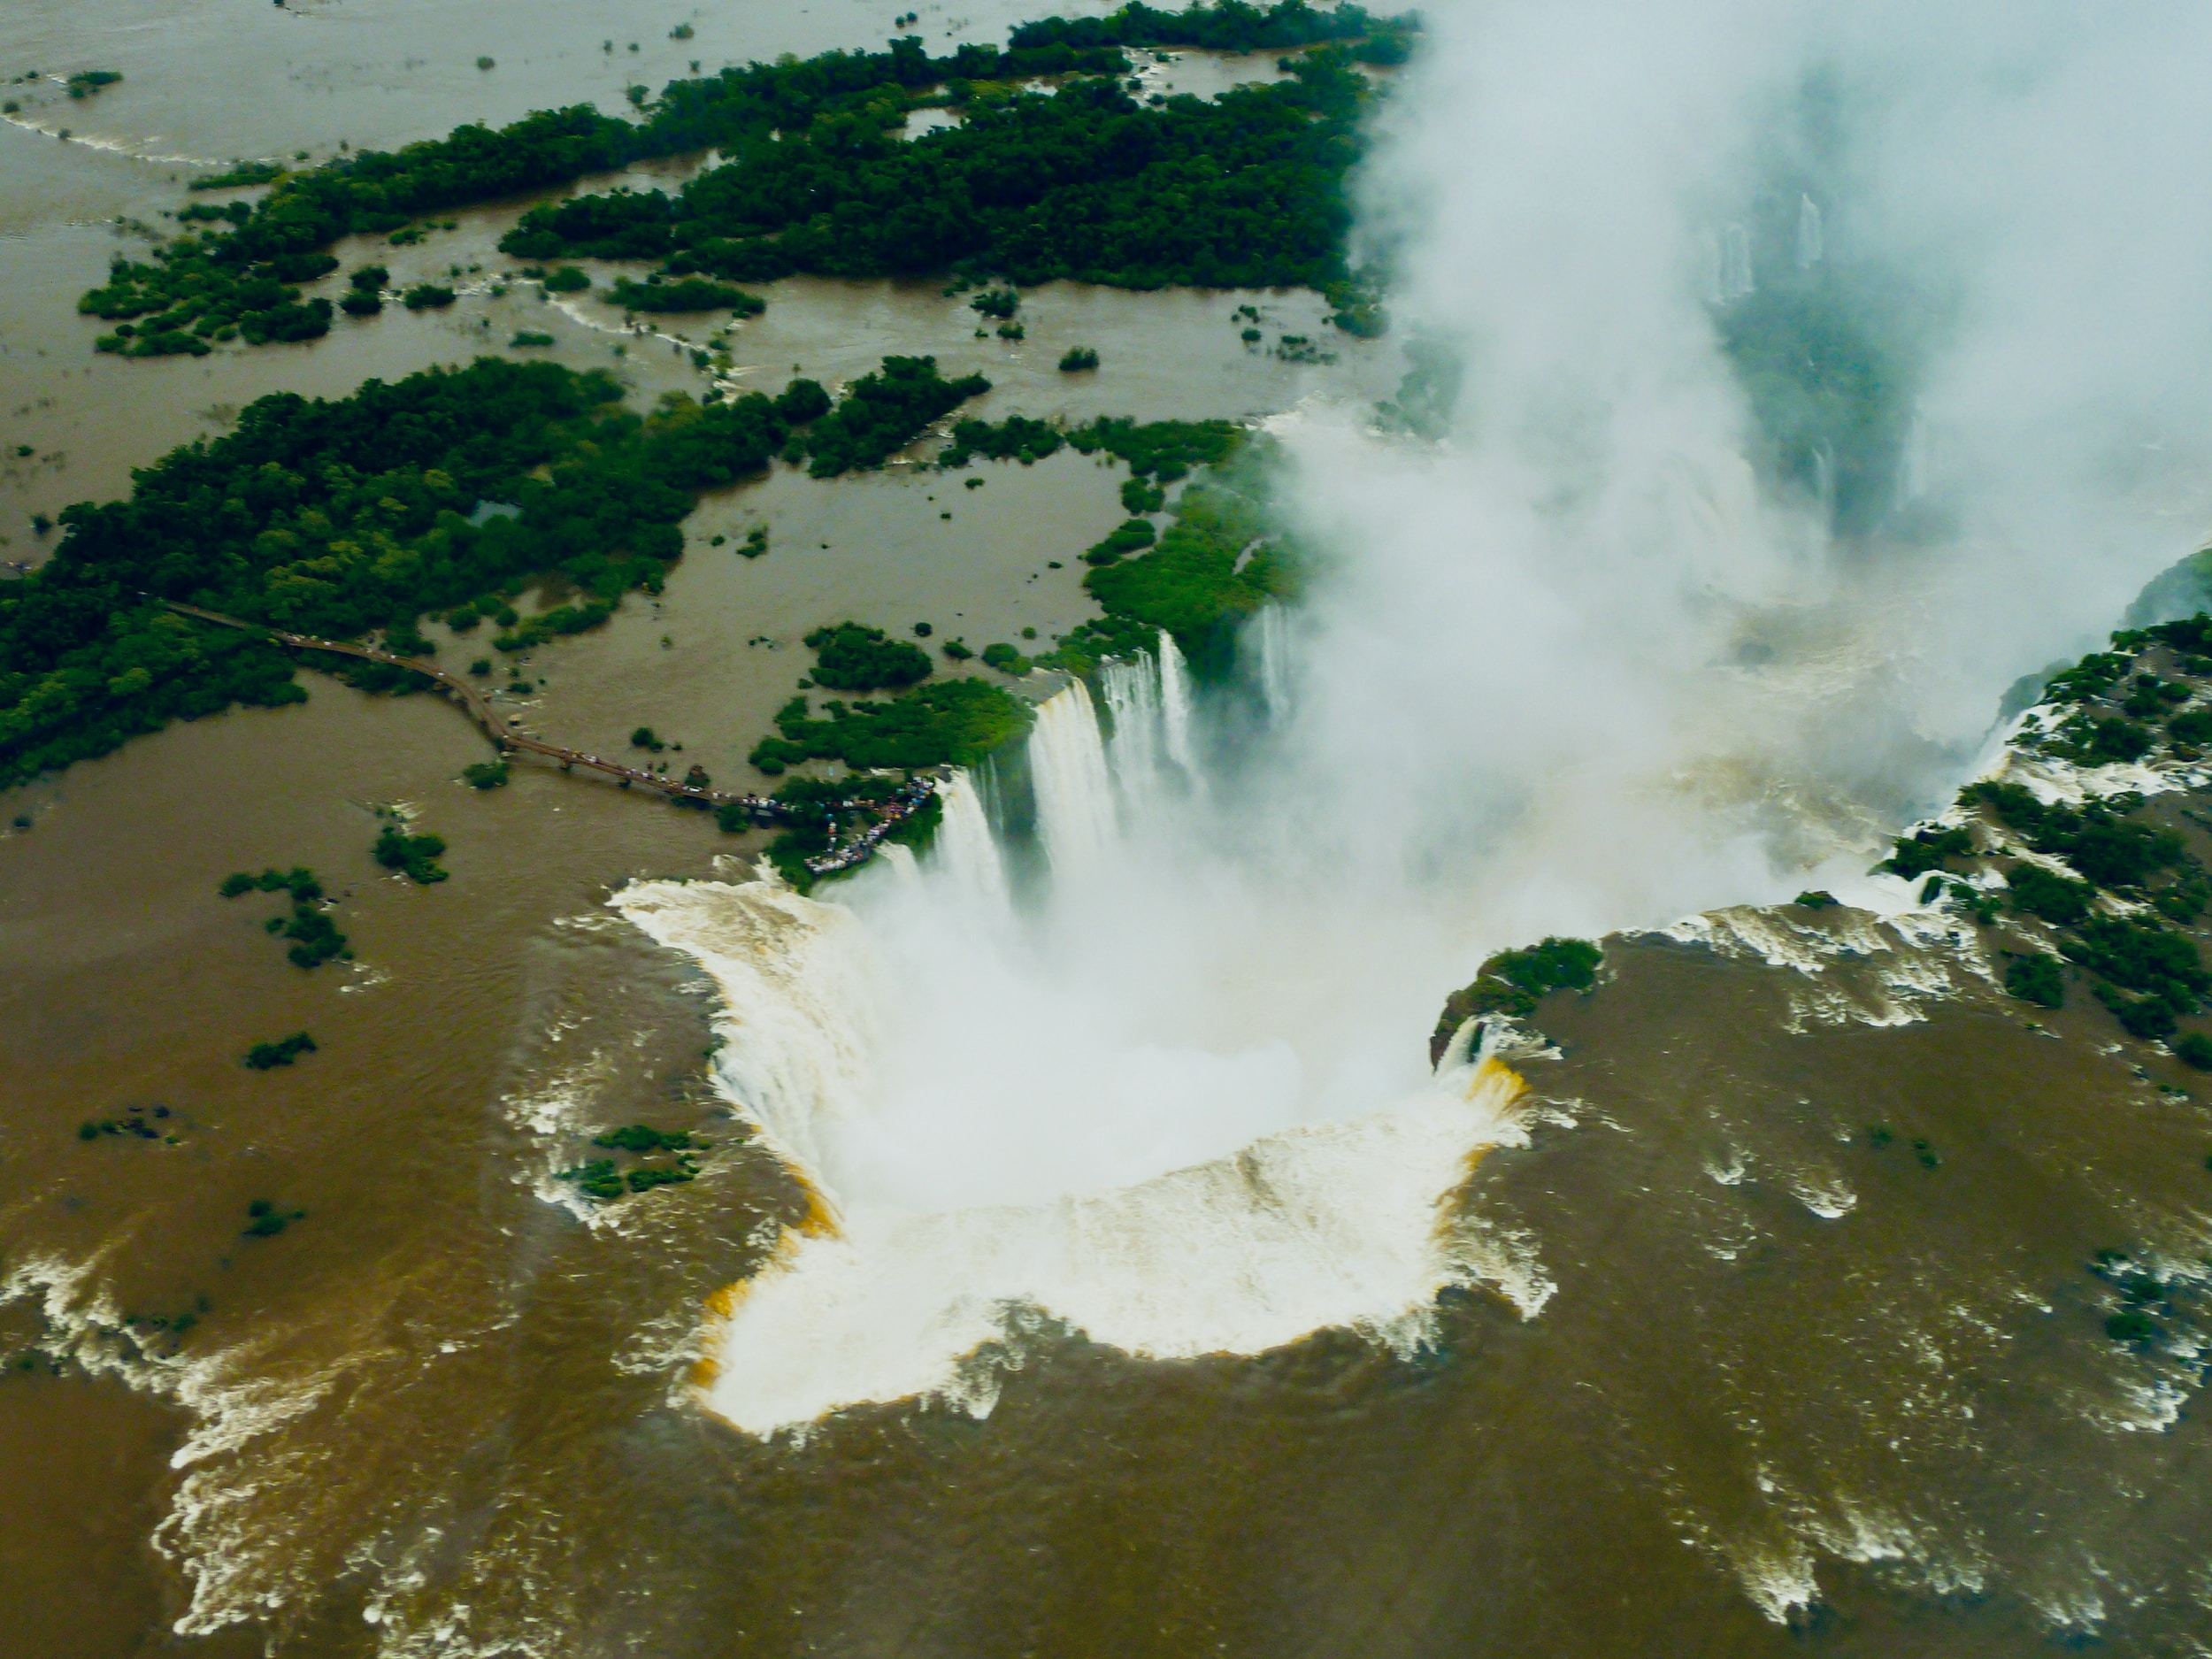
{"x":605,"y":1180}
{"x":315,"y":937}
{"x":264,"y":1220}
{"x":945,"y":723}
{"x":264,"y":1057}
{"x":850,"y":657}
{"x":1219,"y":559}
{"x":685,"y":294}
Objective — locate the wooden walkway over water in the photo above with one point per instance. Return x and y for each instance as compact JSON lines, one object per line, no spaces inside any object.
{"x":502,"y":732}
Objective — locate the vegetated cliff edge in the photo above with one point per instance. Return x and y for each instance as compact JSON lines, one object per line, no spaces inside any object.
{"x":1901,"y":1209}
{"x":2071,"y":871}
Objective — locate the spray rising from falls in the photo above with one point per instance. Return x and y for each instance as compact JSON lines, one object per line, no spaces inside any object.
{"x":1053,"y":1119}
{"x":1164,"y":1254}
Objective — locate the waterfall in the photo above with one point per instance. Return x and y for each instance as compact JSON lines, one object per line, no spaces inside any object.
{"x":1175,"y":714}
{"x":1067,"y":767}
{"x":965,"y":849}
{"x":1736,"y":280}
{"x":1275,"y":661}
{"x":1133,"y":697}
{"x":1810,"y":244}
{"x":1715,"y":292}
{"x":901,"y":862}
{"x":1824,"y":483}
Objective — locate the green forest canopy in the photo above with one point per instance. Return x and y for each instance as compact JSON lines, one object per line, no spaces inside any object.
{"x":336,"y":517}
{"x":1248,"y":190}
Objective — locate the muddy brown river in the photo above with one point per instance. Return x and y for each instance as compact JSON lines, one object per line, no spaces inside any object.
{"x":1726,"y":1376}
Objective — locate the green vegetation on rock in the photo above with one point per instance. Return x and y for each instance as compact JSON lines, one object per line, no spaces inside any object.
{"x":605,"y":1180}
{"x":2124,"y":881}
{"x":414,"y":855}
{"x":1513,"y":982}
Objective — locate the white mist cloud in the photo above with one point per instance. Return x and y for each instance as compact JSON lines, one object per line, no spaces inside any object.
{"x":1577,"y":621}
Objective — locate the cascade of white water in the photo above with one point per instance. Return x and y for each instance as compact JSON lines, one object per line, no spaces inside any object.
{"x":1067,"y":767}
{"x":1716,"y":293}
{"x":966,"y":851}
{"x":1275,"y":661}
{"x":1736,"y":279}
{"x":901,"y":862}
{"x":1811,"y":241}
{"x":1824,"y":483}
{"x":1133,"y":697}
{"x":1175,"y":710}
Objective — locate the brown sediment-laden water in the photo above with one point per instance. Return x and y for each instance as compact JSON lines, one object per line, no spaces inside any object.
{"x":1080,"y":1256}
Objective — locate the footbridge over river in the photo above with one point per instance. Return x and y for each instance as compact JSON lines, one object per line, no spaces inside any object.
{"x":502,"y":732}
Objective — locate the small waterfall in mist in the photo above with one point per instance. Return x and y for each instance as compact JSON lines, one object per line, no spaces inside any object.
{"x":1736,"y":280}
{"x":1175,"y":709}
{"x":1274,"y":631}
{"x":1811,"y":245}
{"x":1131,"y":690}
{"x":967,"y":849}
{"x":1824,"y":483}
{"x":1075,"y":796}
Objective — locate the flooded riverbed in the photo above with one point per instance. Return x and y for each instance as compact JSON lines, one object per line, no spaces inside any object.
{"x":1707,"y":1369}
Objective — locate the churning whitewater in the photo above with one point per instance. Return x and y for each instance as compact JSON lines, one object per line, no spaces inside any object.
{"x":997,"y":1141}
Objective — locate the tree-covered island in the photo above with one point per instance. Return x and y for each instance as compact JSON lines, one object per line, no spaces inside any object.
{"x":1080,"y":180}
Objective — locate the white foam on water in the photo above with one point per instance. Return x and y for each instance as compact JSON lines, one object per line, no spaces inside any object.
{"x":235,"y":1400}
{"x":1161,"y":1230}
